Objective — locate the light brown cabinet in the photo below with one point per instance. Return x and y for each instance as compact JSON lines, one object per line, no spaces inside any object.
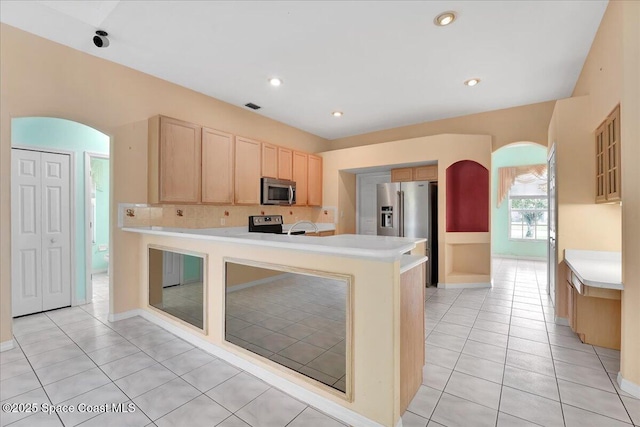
{"x":607,"y":136}
{"x":285,"y":163}
{"x":300,"y":176}
{"x":419,"y":173}
{"x":402,"y":175}
{"x":314,"y":185}
{"x":425,"y":173}
{"x":247,"y":171}
{"x":269,"y":160}
{"x":217,"y":167}
{"x":174,"y":161}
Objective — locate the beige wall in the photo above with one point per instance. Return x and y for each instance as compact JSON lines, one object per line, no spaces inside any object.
{"x":339,"y":186}
{"x":525,"y":123}
{"x":42,"y":78}
{"x":630,"y":137}
{"x":610,"y":76}
{"x":582,"y":224}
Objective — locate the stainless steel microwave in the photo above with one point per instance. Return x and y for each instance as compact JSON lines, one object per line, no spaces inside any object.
{"x":277,"y":191}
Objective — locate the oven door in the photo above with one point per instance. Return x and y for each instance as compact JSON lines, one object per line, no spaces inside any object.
{"x":278,"y":192}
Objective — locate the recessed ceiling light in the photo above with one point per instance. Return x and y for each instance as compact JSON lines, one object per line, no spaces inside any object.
{"x":444,"y":19}
{"x":274,"y":81}
{"x":472,"y":82}
{"x":337,"y":114}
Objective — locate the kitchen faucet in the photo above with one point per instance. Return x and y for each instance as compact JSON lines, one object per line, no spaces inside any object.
{"x":315,"y":227}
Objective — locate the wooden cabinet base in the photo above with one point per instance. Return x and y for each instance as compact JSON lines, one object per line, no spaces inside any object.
{"x":598,"y":321}
{"x":411,"y":333}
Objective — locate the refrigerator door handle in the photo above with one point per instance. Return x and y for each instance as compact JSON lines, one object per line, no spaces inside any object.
{"x":401,"y":216}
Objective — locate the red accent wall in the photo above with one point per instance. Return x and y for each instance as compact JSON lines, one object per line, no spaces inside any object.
{"x":467,"y":197}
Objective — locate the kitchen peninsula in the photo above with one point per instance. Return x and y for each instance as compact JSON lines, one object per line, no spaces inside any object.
{"x":383,"y":317}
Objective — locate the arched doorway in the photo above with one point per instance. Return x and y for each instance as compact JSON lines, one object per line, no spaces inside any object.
{"x":78,"y":204}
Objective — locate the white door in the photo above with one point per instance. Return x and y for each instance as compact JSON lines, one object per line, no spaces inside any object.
{"x":367,"y":201}
{"x":171,"y":266}
{"x":41,"y":262}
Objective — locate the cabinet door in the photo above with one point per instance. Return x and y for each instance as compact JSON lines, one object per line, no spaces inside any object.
{"x":269,"y":160}
{"x":300,"y":172}
{"x":247,"y":172}
{"x":217,"y":167}
{"x":285,"y":163}
{"x":402,"y":175}
{"x":425,"y":173}
{"x":315,"y":181}
{"x":179,"y":161}
{"x":601,"y":194}
{"x":613,"y":156}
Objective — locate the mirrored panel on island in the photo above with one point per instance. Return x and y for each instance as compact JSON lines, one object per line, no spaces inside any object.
{"x":297,"y":319}
{"x":176,"y":285}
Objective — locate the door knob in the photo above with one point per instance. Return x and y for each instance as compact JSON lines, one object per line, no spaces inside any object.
{"x":53,"y":240}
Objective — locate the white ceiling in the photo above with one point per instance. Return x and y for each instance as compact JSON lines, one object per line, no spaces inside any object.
{"x":383,"y":63}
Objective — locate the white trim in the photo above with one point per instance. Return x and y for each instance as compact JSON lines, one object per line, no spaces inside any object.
{"x":561,"y":321}
{"x":6,"y":345}
{"x":463,"y":285}
{"x":72,"y":208}
{"x":88,"y":244}
{"x":628,"y":386}
{"x":322,"y":403}
{"x":526,"y":258}
{"x":399,"y":423}
{"x":124,"y":315}
{"x":258,"y":282}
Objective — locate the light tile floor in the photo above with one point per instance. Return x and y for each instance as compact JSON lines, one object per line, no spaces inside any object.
{"x":496,"y":358}
{"x":297,"y":321}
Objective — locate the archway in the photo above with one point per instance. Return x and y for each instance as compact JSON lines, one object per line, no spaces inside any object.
{"x":87,"y":150}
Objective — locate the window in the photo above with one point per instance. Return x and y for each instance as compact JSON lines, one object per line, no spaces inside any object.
{"x":528,"y":208}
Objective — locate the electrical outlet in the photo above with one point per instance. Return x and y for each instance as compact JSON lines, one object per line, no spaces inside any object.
{"x":223,"y":221}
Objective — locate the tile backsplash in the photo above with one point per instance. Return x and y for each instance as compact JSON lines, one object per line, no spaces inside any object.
{"x":207,"y":216}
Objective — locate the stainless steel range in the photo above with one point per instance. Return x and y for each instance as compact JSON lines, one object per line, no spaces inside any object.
{"x":268,"y":224}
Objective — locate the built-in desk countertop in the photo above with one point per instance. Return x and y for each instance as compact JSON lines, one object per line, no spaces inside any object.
{"x":598,"y":269}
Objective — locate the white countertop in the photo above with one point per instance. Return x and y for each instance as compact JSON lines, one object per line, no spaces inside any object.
{"x":381,"y":248}
{"x":598,"y":269}
{"x":407,"y":262}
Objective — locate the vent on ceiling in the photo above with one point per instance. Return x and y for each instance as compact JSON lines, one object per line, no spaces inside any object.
{"x":252,"y":106}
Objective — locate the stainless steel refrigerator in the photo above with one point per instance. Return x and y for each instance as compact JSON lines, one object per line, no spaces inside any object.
{"x":410,"y":209}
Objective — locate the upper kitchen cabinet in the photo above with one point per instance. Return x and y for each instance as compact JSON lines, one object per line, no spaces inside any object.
{"x":314,"y":185}
{"x":607,"y":138}
{"x":217,"y":167}
{"x":269,"y":160}
{"x":285,"y":163}
{"x":247,"y":171}
{"x":402,"y":175}
{"x":425,"y":173}
{"x":174,"y":161}
{"x":419,"y":173}
{"x":300,"y":176}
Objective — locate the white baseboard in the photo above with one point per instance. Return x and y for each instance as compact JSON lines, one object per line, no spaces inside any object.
{"x":629,"y":387}
{"x":463,"y":285}
{"x":7,"y":345}
{"x":80,"y":302}
{"x":124,"y":315}
{"x":561,"y":321}
{"x":257,"y":282}
{"x":335,"y":410}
